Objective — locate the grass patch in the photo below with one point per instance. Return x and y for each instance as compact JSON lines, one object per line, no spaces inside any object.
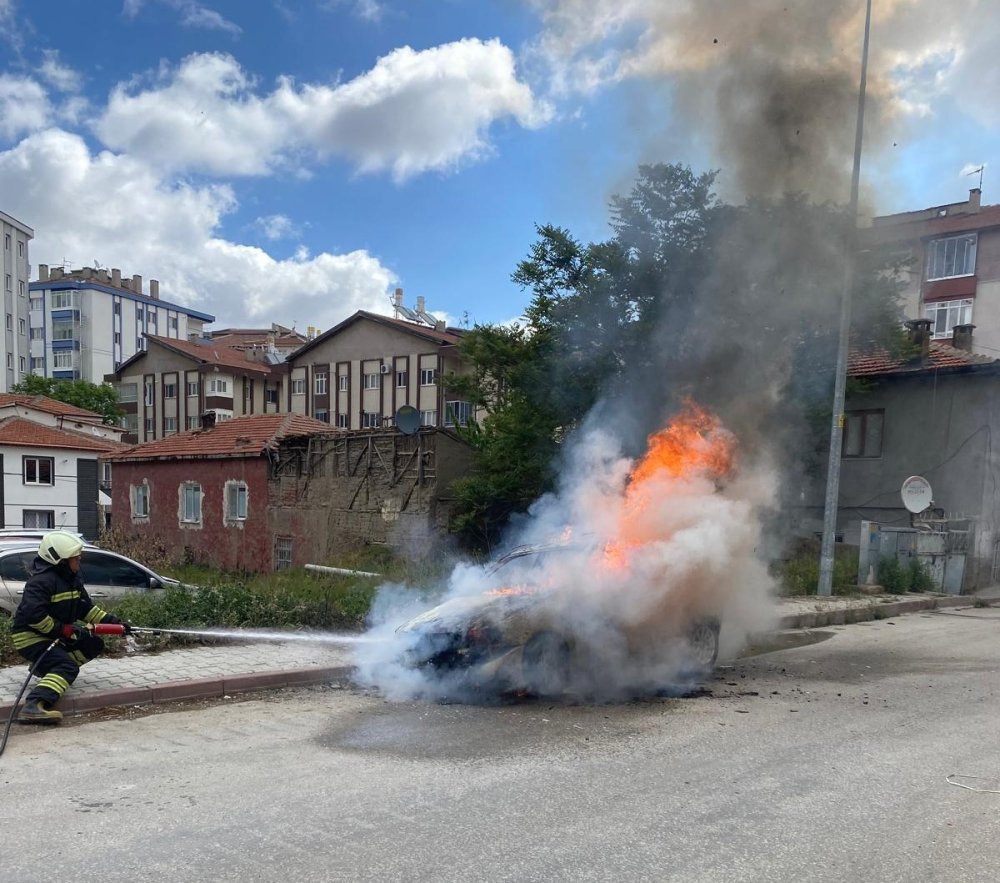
{"x":799,"y":575}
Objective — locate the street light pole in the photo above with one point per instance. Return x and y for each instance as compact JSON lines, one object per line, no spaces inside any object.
{"x":826,"y":560}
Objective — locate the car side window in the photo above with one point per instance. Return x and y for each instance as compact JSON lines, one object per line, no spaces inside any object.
{"x":15,"y":567}
{"x":105,"y":570}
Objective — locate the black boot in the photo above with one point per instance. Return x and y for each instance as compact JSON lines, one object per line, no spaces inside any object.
{"x":37,"y":711}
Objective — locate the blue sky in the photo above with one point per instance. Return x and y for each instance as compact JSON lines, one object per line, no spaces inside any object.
{"x":295,"y":160}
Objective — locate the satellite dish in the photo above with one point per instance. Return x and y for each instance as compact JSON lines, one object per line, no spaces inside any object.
{"x":917,"y":494}
{"x":407,"y":419}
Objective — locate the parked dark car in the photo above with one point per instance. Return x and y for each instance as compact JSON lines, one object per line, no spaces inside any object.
{"x":530,"y":635}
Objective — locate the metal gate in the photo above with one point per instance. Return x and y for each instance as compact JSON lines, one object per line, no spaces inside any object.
{"x":941,"y":548}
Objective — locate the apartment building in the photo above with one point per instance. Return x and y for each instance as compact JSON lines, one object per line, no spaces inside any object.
{"x":15,"y":272}
{"x":953,"y":272}
{"x":84,"y":324}
{"x":169,"y":387}
{"x":359,"y":373}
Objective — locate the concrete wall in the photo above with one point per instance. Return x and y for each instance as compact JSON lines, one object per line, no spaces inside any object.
{"x":941,"y":427}
{"x":59,"y":498}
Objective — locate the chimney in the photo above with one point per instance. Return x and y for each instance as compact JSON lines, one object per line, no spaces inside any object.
{"x":975,"y":199}
{"x":137,"y":284}
{"x":116,"y":277}
{"x":208,"y":420}
{"x":421,"y":304}
{"x":399,"y":297}
{"x":962,"y":337}
{"x":43,"y":272}
{"x":56,"y":273}
{"x":920,"y":335}
{"x":102,"y":275}
{"x":154,"y":289}
{"x":440,"y":325}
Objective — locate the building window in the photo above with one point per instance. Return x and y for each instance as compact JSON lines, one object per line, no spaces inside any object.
{"x":20,"y":248}
{"x":62,"y":359}
{"x":457,"y":413}
{"x":20,"y":362}
{"x":320,"y":384}
{"x":148,"y":393}
{"x":62,"y":300}
{"x":236,"y":501}
{"x":10,"y":322}
{"x":946,"y":314}
{"x":62,"y":330}
{"x":402,"y":379}
{"x":37,"y":334}
{"x":192,"y":422}
{"x":191,"y":503}
{"x":37,"y":363}
{"x":343,"y":382}
{"x":191,"y":388}
{"x":170,"y":390}
{"x":298,"y":387}
{"x":342,"y":422}
{"x":282,"y":553}
{"x":954,"y":256}
{"x":428,"y":418}
{"x":106,"y":474}
{"x":20,"y":288}
{"x":372,"y":381}
{"x":40,"y":519}
{"x":117,"y":308}
{"x":149,"y":426}
{"x":36,"y":303}
{"x":863,"y":433}
{"x":172,"y":322}
{"x":10,"y":360}
{"x":20,"y":326}
{"x":428,"y":376}
{"x":322,"y":414}
{"x":139,"y":495}
{"x":118,"y":338}
{"x":6,"y":241}
{"x":370,"y":419}
{"x":39,"y":470}
{"x":217,"y":385}
{"x":7,"y":282}
{"x":127,"y":392}
{"x":271,"y":395}
{"x":170,"y":424}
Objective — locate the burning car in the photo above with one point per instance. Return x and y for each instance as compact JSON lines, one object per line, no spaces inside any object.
{"x":533,"y":633}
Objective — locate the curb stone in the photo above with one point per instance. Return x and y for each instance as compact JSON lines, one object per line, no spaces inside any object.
{"x":841,"y":615}
{"x":201,"y":688}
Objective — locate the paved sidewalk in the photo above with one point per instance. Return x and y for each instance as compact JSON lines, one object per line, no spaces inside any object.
{"x":207,"y":671}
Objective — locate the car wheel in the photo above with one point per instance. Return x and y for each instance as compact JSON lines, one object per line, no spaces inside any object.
{"x":703,"y":645}
{"x":546,"y":664}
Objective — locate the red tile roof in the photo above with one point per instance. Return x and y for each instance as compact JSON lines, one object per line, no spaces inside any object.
{"x":26,"y":433}
{"x":939,"y":356}
{"x":49,"y":406}
{"x":211,"y":354}
{"x":239,"y":437}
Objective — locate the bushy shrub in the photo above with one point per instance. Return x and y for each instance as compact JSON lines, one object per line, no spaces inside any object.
{"x":892,"y":576}
{"x":919,"y":575}
{"x":799,"y":575}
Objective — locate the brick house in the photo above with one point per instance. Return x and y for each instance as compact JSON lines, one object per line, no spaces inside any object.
{"x":271,"y":491}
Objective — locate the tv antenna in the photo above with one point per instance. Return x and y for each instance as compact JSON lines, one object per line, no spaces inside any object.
{"x":980,"y":171}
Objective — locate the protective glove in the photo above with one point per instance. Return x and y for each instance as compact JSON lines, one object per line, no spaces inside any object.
{"x":74,"y":632}
{"x":127,"y":626}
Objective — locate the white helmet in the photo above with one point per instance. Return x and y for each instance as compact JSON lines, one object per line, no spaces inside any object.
{"x":58,"y":545}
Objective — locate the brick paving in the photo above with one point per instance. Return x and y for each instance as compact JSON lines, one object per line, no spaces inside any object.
{"x":189,"y":672}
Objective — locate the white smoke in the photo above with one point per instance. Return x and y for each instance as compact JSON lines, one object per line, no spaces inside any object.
{"x":640,"y":561}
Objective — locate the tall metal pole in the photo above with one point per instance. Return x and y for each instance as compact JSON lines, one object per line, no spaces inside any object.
{"x":825,"y":585}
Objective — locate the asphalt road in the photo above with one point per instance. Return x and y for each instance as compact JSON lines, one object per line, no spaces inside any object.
{"x":821,"y":762}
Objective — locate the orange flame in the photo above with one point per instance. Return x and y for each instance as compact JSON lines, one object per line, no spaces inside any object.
{"x":695,"y":441}
{"x":505,"y":591}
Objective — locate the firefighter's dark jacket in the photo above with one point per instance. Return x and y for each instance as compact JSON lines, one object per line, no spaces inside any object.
{"x":54,"y":596}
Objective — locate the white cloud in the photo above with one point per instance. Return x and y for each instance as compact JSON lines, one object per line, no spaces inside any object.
{"x":276,"y":227}
{"x":57,"y":74}
{"x":137,"y":221}
{"x":24,"y":106}
{"x":192,"y":15}
{"x":413,"y":112}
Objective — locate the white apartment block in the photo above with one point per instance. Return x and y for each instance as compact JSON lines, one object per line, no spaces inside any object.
{"x":85,"y":323}
{"x":15,"y":275}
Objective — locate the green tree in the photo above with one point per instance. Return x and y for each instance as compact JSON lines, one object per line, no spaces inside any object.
{"x":99,"y":398}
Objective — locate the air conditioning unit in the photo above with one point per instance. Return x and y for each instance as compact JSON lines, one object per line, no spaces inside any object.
{"x":384,"y":369}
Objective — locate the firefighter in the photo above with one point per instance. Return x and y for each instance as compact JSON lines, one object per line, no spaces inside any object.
{"x":56,"y":606}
